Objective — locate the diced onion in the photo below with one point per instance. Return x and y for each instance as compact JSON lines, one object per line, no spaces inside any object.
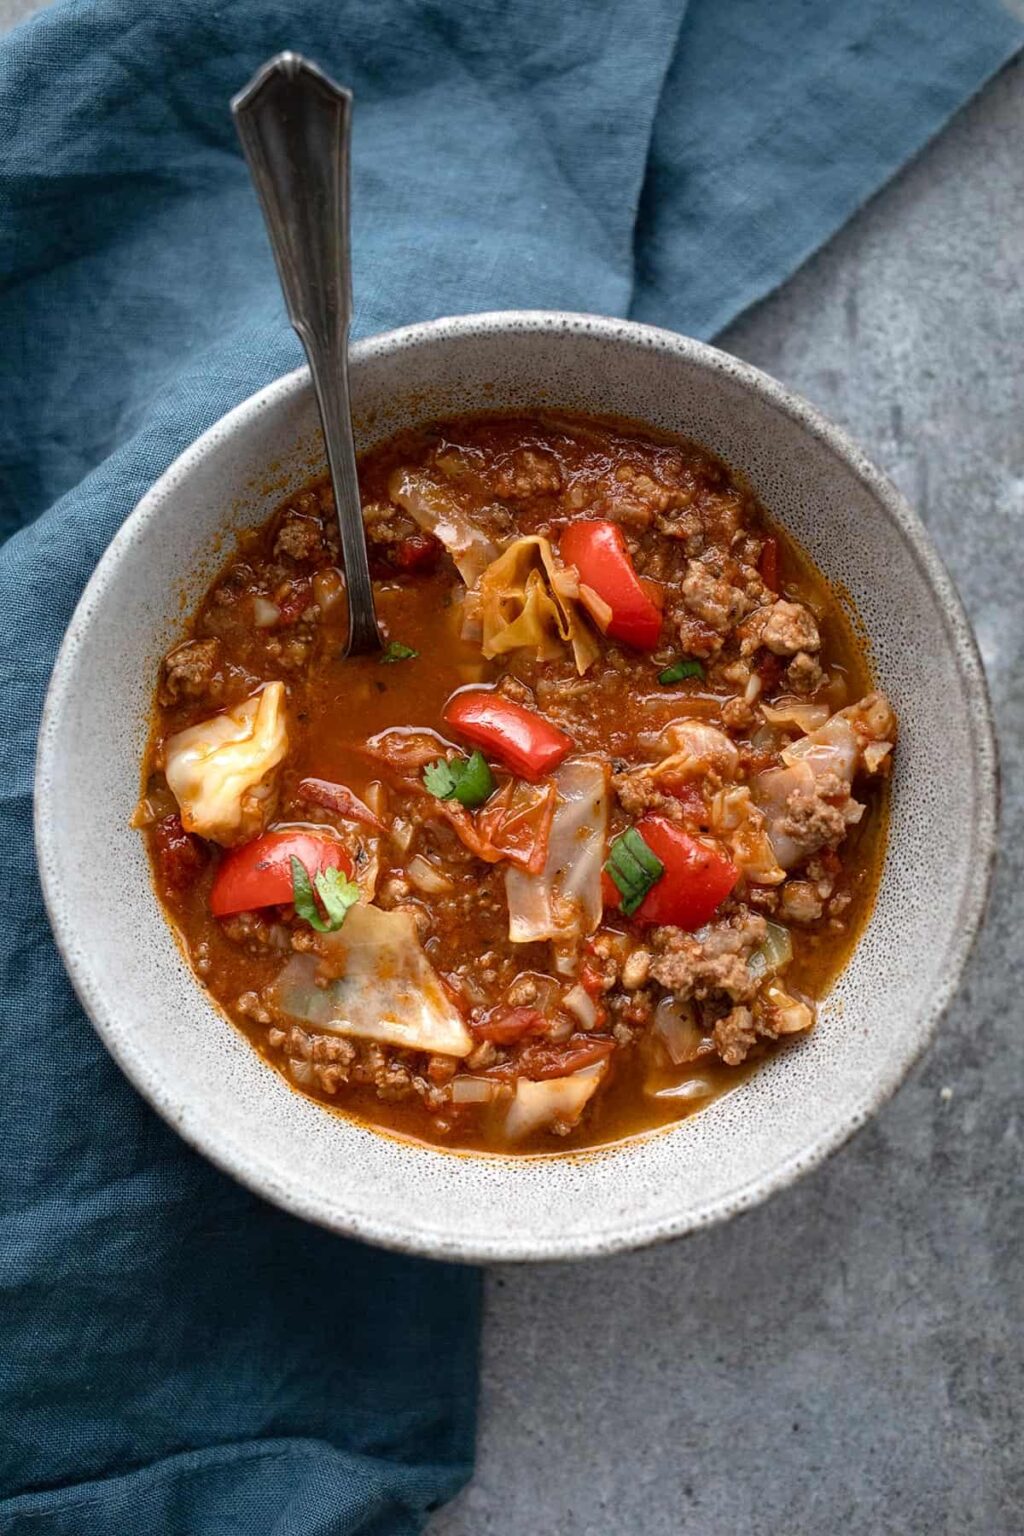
{"x":265,"y":614}
{"x":154,"y":806}
{"x":675,"y":1026}
{"x":474,"y":1090}
{"x":775,"y":953}
{"x":875,"y":754}
{"x":402,"y":833}
{"x":328,"y":589}
{"x":427,"y":877}
{"x":301,"y":1071}
{"x":806,"y":717}
{"x":375,"y":796}
{"x":565,"y":957}
{"x":692,"y":1088}
{"x":579,"y":1002}
{"x":790,"y":1016}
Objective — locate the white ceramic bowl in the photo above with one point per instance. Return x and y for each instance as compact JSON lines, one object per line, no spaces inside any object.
{"x":206,"y":1080}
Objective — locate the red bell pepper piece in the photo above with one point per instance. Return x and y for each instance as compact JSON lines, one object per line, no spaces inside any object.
{"x":527,"y":744}
{"x":598,"y":551}
{"x":259,"y":874}
{"x":696,"y":881}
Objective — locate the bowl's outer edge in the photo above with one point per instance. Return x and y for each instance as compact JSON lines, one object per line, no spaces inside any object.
{"x":240,"y":1162}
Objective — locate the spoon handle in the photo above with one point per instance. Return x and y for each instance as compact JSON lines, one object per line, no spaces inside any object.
{"x":295,"y":127}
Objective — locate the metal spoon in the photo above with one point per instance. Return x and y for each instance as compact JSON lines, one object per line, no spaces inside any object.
{"x":295,"y":126}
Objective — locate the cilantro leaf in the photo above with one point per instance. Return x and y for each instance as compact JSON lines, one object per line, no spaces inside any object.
{"x":440,"y":779}
{"x":396,"y":651}
{"x":468,"y":780}
{"x":337,"y":892}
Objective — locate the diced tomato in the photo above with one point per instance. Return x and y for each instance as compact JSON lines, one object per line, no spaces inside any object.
{"x":516,"y":822}
{"x":542,"y":1060}
{"x":598,"y":551}
{"x":339,"y":798}
{"x":688,"y":795}
{"x":295,"y":603}
{"x":696,"y":881}
{"x":181,"y":857}
{"x":517,"y":737}
{"x":592,"y":979}
{"x":768,"y":565}
{"x":259,"y":874}
{"x":505,"y":1025}
{"x":416,"y":552}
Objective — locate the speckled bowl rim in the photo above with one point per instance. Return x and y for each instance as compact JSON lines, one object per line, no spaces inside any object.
{"x":244,"y":1164}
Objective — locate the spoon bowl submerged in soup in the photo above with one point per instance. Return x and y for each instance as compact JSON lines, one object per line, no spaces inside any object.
{"x":588,"y":840}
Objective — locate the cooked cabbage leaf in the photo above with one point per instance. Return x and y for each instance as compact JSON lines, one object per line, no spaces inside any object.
{"x":564,"y":900}
{"x":528,"y":601}
{"x":380,"y":986}
{"x":561,"y":1099}
{"x":433,"y":510}
{"x":223,"y":772}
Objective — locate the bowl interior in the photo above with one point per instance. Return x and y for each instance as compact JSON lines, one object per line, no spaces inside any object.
{"x":205,"y":1078}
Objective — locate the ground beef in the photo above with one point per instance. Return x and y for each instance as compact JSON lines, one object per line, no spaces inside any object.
{"x":803,"y":674}
{"x":299,"y":538}
{"x":515,"y":689}
{"x":820,"y":820}
{"x":737,"y":713}
{"x":696,"y":638}
{"x":637,"y":794}
{"x":527,"y":473}
{"x":713,"y":962}
{"x":722,"y":514}
{"x":788,"y":628}
{"x":190,"y":672}
{"x":711,"y":599}
{"x":255,"y":934}
{"x":293,"y":652}
{"x":251,"y":1006}
{"x":636,"y":969}
{"x":800,"y":902}
{"x":733,"y":1036}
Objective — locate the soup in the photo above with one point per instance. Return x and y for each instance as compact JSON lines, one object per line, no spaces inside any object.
{"x":588,"y":840}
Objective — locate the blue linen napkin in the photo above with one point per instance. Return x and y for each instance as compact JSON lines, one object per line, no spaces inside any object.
{"x":175,"y":1355}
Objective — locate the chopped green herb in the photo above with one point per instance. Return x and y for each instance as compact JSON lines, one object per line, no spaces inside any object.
{"x":335,"y":890}
{"x":439,"y":778}
{"x":678,"y":670}
{"x":475,"y":782}
{"x":468,"y":780}
{"x":396,"y":651}
{"x":633,"y":868}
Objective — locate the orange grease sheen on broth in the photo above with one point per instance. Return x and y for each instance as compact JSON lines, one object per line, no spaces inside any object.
{"x":345,"y":702}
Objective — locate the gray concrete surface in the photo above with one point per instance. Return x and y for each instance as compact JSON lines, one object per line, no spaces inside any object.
{"x":848,"y":1357}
